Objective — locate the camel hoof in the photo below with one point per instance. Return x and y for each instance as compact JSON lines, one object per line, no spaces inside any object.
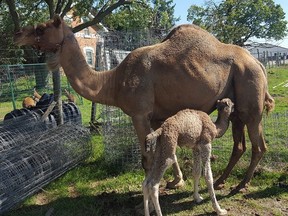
{"x":198,"y":199}
{"x":175,"y":184}
{"x":139,"y":209}
{"x":219,"y":186}
{"x":239,"y":188}
{"x":222,"y":212}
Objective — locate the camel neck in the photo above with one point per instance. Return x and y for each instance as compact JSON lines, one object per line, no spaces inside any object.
{"x":97,"y":86}
{"x":222,"y":124}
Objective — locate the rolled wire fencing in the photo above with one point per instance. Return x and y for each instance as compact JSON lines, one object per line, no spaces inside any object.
{"x":34,"y":149}
{"x":34,"y":155}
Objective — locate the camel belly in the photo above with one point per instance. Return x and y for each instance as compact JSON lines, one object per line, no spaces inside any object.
{"x":187,"y":85}
{"x":173,"y":100}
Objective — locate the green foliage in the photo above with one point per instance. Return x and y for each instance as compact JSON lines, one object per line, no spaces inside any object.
{"x":157,"y":15}
{"x":163,"y":14}
{"x":235,"y":21}
{"x":9,"y":53}
{"x":134,"y":17}
{"x":116,"y":15}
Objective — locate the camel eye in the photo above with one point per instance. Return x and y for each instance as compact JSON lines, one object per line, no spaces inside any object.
{"x":39,"y":31}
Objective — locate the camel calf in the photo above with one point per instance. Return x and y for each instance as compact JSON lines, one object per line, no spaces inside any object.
{"x":193,"y":129}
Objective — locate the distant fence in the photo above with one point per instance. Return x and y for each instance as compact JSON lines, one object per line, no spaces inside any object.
{"x":271,"y":59}
{"x":19,"y":81}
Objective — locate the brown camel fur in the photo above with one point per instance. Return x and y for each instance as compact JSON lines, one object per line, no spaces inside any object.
{"x":193,"y":129}
{"x":189,"y":69}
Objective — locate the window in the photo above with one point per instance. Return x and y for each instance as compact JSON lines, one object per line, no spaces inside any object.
{"x":86,"y":32}
{"x":89,"y":55}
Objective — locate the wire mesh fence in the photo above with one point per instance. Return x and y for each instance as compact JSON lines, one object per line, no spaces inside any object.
{"x":122,"y":146}
{"x":275,"y":129}
{"x":20,"y":82}
{"x":32,"y":156}
{"x":34,"y":148}
{"x":121,"y":143}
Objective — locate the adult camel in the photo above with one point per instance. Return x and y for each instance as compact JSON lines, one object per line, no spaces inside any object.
{"x":189,"y":69}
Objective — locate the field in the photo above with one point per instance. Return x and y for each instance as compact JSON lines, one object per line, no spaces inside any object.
{"x":97,"y":188}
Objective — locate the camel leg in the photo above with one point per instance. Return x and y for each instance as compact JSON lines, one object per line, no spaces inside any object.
{"x":177,"y":174}
{"x":142,"y":127}
{"x":258,"y":149}
{"x":151,"y":190}
{"x":196,"y":173}
{"x":151,"y":183}
{"x":238,"y":150}
{"x":146,"y":198}
{"x":205,"y":155}
{"x":178,"y":177}
{"x":155,"y":198}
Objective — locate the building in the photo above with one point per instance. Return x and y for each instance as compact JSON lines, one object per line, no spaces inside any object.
{"x":87,"y":39}
{"x":269,"y":51}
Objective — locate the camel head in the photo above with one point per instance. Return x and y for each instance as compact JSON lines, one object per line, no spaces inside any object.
{"x":225,"y":105}
{"x":45,"y":37}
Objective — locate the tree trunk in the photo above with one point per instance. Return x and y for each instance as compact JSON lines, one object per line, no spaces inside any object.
{"x":57,"y":96}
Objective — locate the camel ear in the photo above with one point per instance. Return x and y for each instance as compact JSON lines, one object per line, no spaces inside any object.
{"x":57,"y":20}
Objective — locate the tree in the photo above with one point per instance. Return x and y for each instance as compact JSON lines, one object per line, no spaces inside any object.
{"x":16,"y":13}
{"x":31,"y":11}
{"x":157,"y":15}
{"x":116,"y":14}
{"x":163,"y":13}
{"x":236,"y":21}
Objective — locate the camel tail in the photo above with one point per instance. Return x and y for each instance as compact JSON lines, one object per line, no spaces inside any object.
{"x":269,"y":104}
{"x":151,"y":139}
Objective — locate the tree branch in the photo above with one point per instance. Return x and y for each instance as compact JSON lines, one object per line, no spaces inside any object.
{"x":101,"y":14}
{"x":51,"y":7}
{"x":66,"y":8}
{"x":59,"y":6}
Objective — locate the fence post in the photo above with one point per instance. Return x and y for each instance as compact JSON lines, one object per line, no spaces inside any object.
{"x":268,"y":60}
{"x":11,"y":87}
{"x":57,"y":96}
{"x":264,"y":59}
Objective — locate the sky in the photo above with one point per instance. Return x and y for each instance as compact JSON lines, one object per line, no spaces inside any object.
{"x":181,"y":7}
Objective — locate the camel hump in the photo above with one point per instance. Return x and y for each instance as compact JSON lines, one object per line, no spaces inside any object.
{"x":183,"y":27}
{"x":269,"y":103}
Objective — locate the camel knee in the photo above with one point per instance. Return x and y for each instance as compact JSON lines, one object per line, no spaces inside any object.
{"x":258,"y":152}
{"x":150,"y":189}
{"x":147,"y":162}
{"x":238,"y":150}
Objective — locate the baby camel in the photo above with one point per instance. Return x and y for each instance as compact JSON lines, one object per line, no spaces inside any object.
{"x":189,"y":128}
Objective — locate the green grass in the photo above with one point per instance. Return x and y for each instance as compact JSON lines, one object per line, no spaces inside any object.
{"x":98,"y":188}
{"x":276,"y":78}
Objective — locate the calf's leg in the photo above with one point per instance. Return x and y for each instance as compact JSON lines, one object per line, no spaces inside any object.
{"x":205,"y":155}
{"x":196,"y":173}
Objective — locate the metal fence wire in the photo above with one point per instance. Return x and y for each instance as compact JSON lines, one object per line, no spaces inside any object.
{"x":121,"y":144}
{"x":32,"y":156}
{"x":35,"y":150}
